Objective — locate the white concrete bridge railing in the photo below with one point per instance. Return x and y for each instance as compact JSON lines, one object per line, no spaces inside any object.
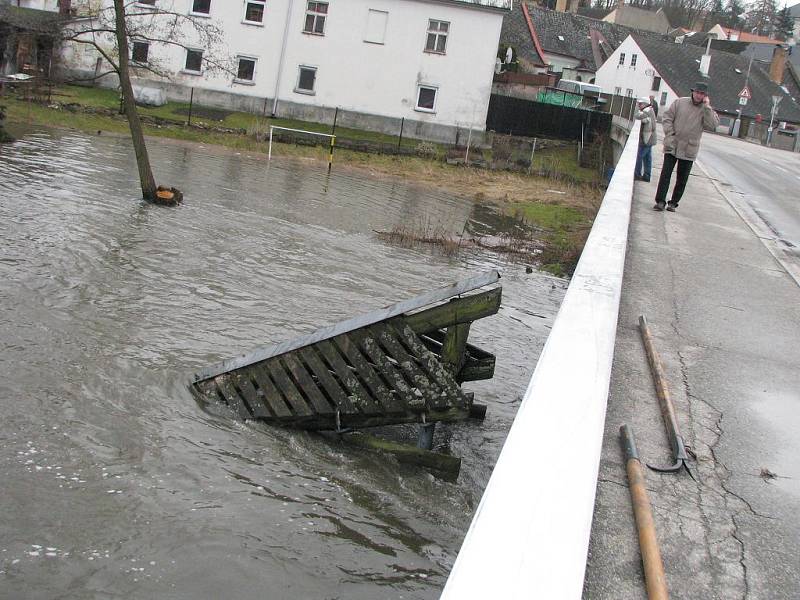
{"x":529,"y":537}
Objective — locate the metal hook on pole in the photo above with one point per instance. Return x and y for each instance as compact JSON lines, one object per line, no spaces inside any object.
{"x":679,"y":452}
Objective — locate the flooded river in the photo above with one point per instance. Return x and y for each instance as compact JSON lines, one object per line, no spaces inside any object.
{"x":115,"y":484}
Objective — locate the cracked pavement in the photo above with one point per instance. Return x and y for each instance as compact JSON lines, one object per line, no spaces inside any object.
{"x":725,"y":318}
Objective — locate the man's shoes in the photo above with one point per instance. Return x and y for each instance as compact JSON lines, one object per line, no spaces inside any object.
{"x":637,"y":178}
{"x":645,"y":179}
{"x":659,"y":206}
{"x":671,"y":207}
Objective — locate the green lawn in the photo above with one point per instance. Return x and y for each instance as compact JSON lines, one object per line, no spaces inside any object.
{"x":179,"y":111}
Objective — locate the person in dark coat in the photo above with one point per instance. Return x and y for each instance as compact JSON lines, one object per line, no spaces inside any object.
{"x":648,"y":137}
{"x":684,"y":122}
{"x":654,"y":105}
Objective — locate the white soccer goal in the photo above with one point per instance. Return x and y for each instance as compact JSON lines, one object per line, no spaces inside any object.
{"x":330,"y":136}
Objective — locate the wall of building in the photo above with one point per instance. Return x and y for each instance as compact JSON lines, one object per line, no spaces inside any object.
{"x":51,"y":5}
{"x":559,"y":64}
{"x":377,"y":76}
{"x":638,"y":79}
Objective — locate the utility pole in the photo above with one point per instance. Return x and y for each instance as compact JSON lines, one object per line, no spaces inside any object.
{"x":775,"y":101}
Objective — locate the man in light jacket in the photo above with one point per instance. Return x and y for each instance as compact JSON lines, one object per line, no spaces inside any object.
{"x":647,"y":139}
{"x":683,"y":123}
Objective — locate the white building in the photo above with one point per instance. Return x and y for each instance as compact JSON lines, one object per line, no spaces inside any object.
{"x":629,"y":72}
{"x":430,"y":62}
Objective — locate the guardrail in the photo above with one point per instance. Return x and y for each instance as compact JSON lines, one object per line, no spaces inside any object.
{"x":529,"y":537}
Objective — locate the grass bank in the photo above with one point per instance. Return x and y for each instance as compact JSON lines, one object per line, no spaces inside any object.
{"x":561,"y":207}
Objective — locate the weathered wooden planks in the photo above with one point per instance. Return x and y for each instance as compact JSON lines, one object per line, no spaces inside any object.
{"x":380,"y":369}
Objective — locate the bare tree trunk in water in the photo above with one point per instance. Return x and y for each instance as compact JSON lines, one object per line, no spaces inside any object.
{"x":146,"y":179}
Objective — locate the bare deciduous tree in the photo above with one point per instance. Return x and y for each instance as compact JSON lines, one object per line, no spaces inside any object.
{"x":109,"y":26}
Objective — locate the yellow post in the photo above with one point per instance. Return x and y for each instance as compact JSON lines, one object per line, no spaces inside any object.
{"x":330,"y":156}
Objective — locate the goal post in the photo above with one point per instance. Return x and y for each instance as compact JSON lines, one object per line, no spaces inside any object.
{"x":331,"y":140}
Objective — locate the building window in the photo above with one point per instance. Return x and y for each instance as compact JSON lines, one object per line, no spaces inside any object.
{"x":316,"y":12}
{"x":426,"y":98}
{"x":246,"y":71}
{"x":617,"y":91}
{"x":663,"y":98}
{"x":376,"y":26}
{"x":656,"y":84}
{"x":629,"y":92}
{"x":437,"y":36}
{"x":633,"y":59}
{"x":306,"y":80}
{"x":621,"y":58}
{"x":254,"y":11}
{"x":194,"y":61}
{"x":201,"y":7}
{"x":578,"y":78}
{"x":139,"y":52}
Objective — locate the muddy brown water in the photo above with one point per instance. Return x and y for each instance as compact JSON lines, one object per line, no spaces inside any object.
{"x":115,"y":484}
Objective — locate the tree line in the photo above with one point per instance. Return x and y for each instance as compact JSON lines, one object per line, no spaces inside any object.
{"x":761,"y":17}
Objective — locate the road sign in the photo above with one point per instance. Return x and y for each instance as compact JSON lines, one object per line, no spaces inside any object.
{"x":742,"y":100}
{"x":746,"y":93}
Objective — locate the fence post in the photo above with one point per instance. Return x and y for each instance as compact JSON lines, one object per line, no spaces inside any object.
{"x":533,"y":151}
{"x":191,"y":103}
{"x":400,"y":139}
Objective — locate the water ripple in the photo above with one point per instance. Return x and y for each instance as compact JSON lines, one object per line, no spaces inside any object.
{"x":108,"y":303}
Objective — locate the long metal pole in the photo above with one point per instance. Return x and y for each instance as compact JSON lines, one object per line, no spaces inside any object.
{"x":665,"y":402}
{"x":655,"y":580}
{"x":280,"y":60}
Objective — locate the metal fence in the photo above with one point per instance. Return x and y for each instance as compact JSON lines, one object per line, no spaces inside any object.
{"x":516,"y":116}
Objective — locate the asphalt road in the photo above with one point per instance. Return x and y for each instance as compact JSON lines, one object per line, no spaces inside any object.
{"x":763,"y":184}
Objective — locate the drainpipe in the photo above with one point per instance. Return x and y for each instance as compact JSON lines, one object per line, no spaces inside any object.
{"x":280,"y":60}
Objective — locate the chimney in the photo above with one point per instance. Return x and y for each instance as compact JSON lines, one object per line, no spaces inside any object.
{"x":64,"y":7}
{"x":705,"y":64}
{"x":573,"y":6}
{"x":778,"y":64}
{"x":705,"y":60}
{"x":561,"y":5}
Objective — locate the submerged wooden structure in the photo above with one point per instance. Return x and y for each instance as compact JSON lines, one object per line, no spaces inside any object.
{"x":399,"y":364}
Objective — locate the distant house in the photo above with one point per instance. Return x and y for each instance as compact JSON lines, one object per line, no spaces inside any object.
{"x":735,"y":35}
{"x":429,"y":62}
{"x":763,"y":53}
{"x":668,"y":71}
{"x":639,"y":18}
{"x":562,"y":42}
{"x":27,"y":35}
{"x":795,"y":12}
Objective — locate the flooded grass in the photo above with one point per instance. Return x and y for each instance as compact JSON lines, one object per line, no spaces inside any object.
{"x":548,"y":235}
{"x":560,"y":206}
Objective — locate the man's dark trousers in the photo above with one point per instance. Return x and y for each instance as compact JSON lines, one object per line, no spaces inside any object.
{"x":684,"y":168}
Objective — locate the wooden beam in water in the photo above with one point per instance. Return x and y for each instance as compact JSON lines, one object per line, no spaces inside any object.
{"x":406,"y":453}
{"x":454,"y":347}
{"x":456,"y":311}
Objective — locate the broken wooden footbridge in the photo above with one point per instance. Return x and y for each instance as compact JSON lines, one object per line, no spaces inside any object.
{"x":401,"y":364}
